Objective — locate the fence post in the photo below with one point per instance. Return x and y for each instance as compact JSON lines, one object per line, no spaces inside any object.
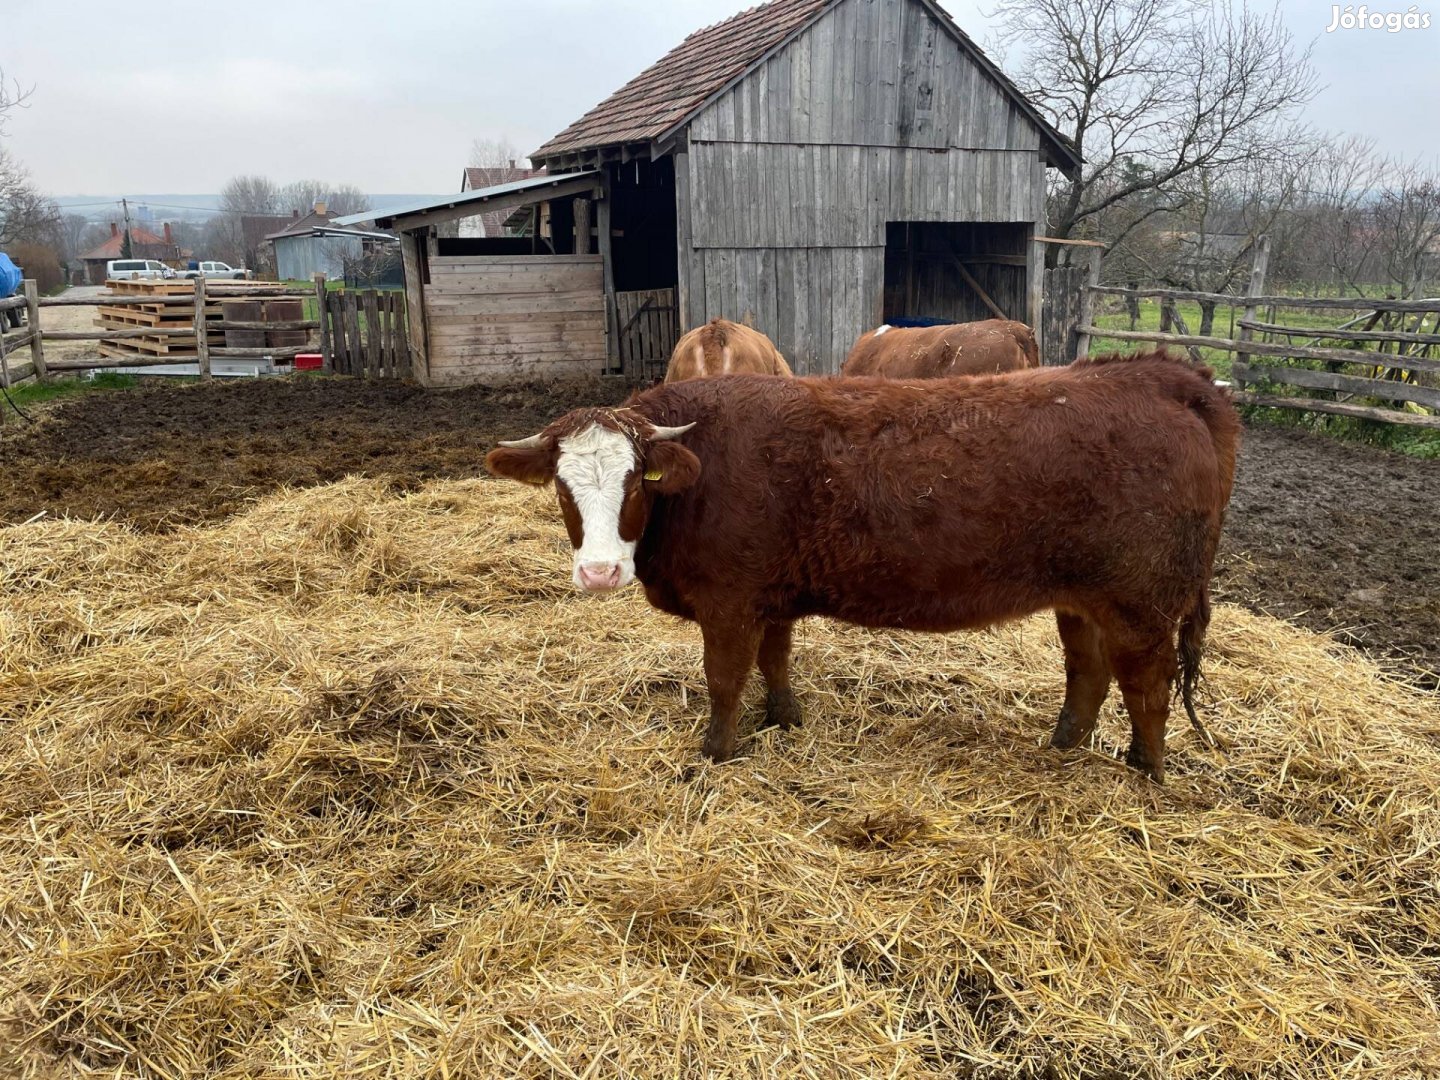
{"x":1257,"y":288}
{"x":1087,"y":305}
{"x":202,"y":334}
{"x":32,"y":317}
{"x":326,"y":359}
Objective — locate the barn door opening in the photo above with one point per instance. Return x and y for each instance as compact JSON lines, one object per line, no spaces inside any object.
{"x":947,"y":271}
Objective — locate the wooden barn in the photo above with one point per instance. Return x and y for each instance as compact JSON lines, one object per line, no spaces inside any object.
{"x":813,"y":167}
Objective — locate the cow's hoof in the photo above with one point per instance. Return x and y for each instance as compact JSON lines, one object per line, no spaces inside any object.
{"x":717,"y":750}
{"x":1070,"y":731}
{"x":1138,"y":760}
{"x":782,"y":710}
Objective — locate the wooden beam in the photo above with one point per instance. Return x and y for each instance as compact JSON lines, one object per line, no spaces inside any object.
{"x":1256,"y":289}
{"x":1337,"y":333}
{"x":415,"y":309}
{"x":581,"y":210}
{"x":1386,"y":389}
{"x":1087,"y":304}
{"x":202,"y":333}
{"x":1337,"y":408}
{"x":560,"y":189}
{"x":1272,"y":348}
{"x":37,"y":336}
{"x":607,"y":262}
{"x":1338,"y":303}
{"x":327,"y":356}
{"x":969,"y":279}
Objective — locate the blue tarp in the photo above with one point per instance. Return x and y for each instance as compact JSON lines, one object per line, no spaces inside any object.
{"x":919,"y":320}
{"x":9,"y":276}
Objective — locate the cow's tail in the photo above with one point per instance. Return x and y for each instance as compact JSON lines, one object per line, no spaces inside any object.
{"x":713,"y":340}
{"x":1192,"y":647}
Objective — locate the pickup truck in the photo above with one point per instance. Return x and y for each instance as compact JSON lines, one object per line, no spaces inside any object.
{"x":210,"y":269}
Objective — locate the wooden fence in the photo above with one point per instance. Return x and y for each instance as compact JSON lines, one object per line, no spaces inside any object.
{"x":356,"y":332}
{"x":1384,"y":365}
{"x":363,"y":330}
{"x":649,"y":327}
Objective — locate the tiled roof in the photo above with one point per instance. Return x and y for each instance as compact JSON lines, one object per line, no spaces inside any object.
{"x":670,"y":91}
{"x":139,"y":239}
{"x":303,"y":224}
{"x":667,"y":92}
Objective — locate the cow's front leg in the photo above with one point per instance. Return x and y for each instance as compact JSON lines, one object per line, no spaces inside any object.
{"x":782,"y":710}
{"x":730,"y":649}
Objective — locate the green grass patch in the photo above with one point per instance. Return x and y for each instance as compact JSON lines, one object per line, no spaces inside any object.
{"x":34,"y":391}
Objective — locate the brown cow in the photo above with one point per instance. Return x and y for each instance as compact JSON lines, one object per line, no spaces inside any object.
{"x":933,"y":352}
{"x":1097,"y":490}
{"x":722,"y":347}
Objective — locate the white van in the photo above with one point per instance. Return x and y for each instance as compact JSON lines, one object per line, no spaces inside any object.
{"x":125,"y":269}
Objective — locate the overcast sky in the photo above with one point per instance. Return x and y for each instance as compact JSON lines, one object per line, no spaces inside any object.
{"x":177,"y":97}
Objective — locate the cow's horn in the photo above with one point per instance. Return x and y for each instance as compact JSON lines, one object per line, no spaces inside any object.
{"x":533,"y":442}
{"x":670,"y":432}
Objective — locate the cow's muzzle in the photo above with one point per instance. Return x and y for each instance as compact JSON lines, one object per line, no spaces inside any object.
{"x":598,"y":577}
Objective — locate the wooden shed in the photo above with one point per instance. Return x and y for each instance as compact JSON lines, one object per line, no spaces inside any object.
{"x":813,"y":167}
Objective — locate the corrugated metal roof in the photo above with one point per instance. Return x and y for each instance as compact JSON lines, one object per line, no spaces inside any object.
{"x":480,"y":198}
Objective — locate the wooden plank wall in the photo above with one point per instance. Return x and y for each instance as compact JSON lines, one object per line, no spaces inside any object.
{"x":870,"y":73}
{"x":784,"y":187}
{"x":760,"y":195}
{"x":493,"y":316}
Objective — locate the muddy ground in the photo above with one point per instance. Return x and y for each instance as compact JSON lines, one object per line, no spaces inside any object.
{"x":1334,"y":536}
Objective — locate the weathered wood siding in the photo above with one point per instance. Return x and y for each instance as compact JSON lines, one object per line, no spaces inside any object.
{"x":492,"y":316}
{"x":870,"y":73}
{"x":786,"y":182}
{"x":761,"y":195}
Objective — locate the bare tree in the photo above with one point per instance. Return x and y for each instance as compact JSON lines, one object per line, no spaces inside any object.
{"x":1406,"y":222}
{"x":493,"y":153}
{"x":250,"y":195}
{"x":1170,"y":86}
{"x":339,"y":199}
{"x":26,"y":213}
{"x":12,"y":96}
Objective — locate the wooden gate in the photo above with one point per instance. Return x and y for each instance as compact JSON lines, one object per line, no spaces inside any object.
{"x":366,"y":332}
{"x":648,"y":324}
{"x":1061,"y":315}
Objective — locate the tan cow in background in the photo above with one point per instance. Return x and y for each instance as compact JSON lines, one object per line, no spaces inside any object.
{"x":722,"y":347}
{"x":933,"y":352}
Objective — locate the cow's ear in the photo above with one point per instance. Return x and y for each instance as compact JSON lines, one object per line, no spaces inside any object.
{"x":670,"y":468}
{"x":529,"y":465}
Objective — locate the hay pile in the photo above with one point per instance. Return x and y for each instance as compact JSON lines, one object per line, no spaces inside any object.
{"x":355,"y":784}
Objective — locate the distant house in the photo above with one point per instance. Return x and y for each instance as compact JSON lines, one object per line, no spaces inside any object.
{"x":311,"y":245}
{"x":491,"y":222}
{"x":144,"y":244}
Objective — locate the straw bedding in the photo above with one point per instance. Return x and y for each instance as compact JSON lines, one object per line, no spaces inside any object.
{"x":355,"y":785}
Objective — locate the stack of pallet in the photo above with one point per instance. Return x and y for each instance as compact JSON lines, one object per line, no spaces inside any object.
{"x":161,"y":317}
{"x":158,"y":317}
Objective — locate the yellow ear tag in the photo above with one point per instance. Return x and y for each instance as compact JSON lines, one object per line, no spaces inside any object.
{"x":653,"y":474}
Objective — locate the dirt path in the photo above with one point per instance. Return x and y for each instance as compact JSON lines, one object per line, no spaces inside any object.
{"x":1330,"y":535}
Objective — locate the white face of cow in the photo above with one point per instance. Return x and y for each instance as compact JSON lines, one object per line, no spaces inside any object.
{"x":595,"y":466}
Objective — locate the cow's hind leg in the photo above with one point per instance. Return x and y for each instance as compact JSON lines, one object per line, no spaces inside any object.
{"x":782,"y":710}
{"x":730,"y":650}
{"x":1145,"y":674}
{"x":1087,"y":680}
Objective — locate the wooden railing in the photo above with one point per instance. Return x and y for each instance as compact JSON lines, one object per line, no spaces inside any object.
{"x":355,"y":331}
{"x":1402,"y":369}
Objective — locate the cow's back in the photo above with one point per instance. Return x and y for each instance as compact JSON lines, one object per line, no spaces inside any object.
{"x":722,"y":347}
{"x":988,"y":347}
{"x":869,"y":500}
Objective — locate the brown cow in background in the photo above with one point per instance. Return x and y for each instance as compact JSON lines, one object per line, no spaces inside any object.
{"x":722,"y":347}
{"x":745,"y":503}
{"x":933,"y":352}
